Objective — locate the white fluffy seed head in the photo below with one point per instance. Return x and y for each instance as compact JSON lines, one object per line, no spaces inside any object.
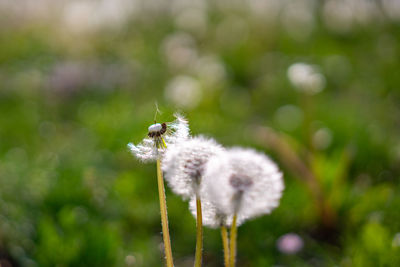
{"x":183,"y":164}
{"x":243,"y":181}
{"x":147,"y":150}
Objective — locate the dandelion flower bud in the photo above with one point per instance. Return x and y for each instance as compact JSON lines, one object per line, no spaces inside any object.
{"x":243,"y":182}
{"x":160,"y":135}
{"x":183,"y":164}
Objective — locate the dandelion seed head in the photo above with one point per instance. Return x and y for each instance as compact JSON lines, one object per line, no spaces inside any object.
{"x":243,"y":181}
{"x":183,"y":164}
{"x":152,"y":147}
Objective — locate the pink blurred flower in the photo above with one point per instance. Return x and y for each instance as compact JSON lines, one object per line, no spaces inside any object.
{"x":290,"y":243}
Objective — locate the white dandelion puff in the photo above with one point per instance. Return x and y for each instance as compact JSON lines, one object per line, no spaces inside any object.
{"x":243,"y":182}
{"x":160,"y":136}
{"x":183,"y":164}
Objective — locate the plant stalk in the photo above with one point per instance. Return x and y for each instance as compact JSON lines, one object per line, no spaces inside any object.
{"x":199,"y":236}
{"x":225,"y":243}
{"x":232,"y":249}
{"x":164,"y":216}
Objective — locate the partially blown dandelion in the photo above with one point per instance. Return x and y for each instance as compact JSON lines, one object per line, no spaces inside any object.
{"x":151,"y":149}
{"x":159,"y":136}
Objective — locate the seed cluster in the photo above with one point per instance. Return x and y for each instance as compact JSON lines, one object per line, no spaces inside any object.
{"x":225,"y":186}
{"x":231,"y":181}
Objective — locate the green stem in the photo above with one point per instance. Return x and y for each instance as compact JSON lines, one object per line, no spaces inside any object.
{"x":225,"y":243}
{"x":232,"y":249}
{"x":199,"y":237}
{"x":164,"y":216}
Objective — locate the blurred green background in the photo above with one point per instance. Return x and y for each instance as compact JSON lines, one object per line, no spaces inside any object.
{"x":314,"y":84}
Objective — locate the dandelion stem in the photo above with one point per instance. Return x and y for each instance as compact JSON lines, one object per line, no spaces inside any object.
{"x":164,"y":216}
{"x":199,"y":238}
{"x":225,"y":243}
{"x":232,"y":249}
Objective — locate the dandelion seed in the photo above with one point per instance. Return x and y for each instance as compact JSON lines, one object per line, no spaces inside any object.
{"x":243,"y":182}
{"x":183,"y":164}
{"x":159,"y":136}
